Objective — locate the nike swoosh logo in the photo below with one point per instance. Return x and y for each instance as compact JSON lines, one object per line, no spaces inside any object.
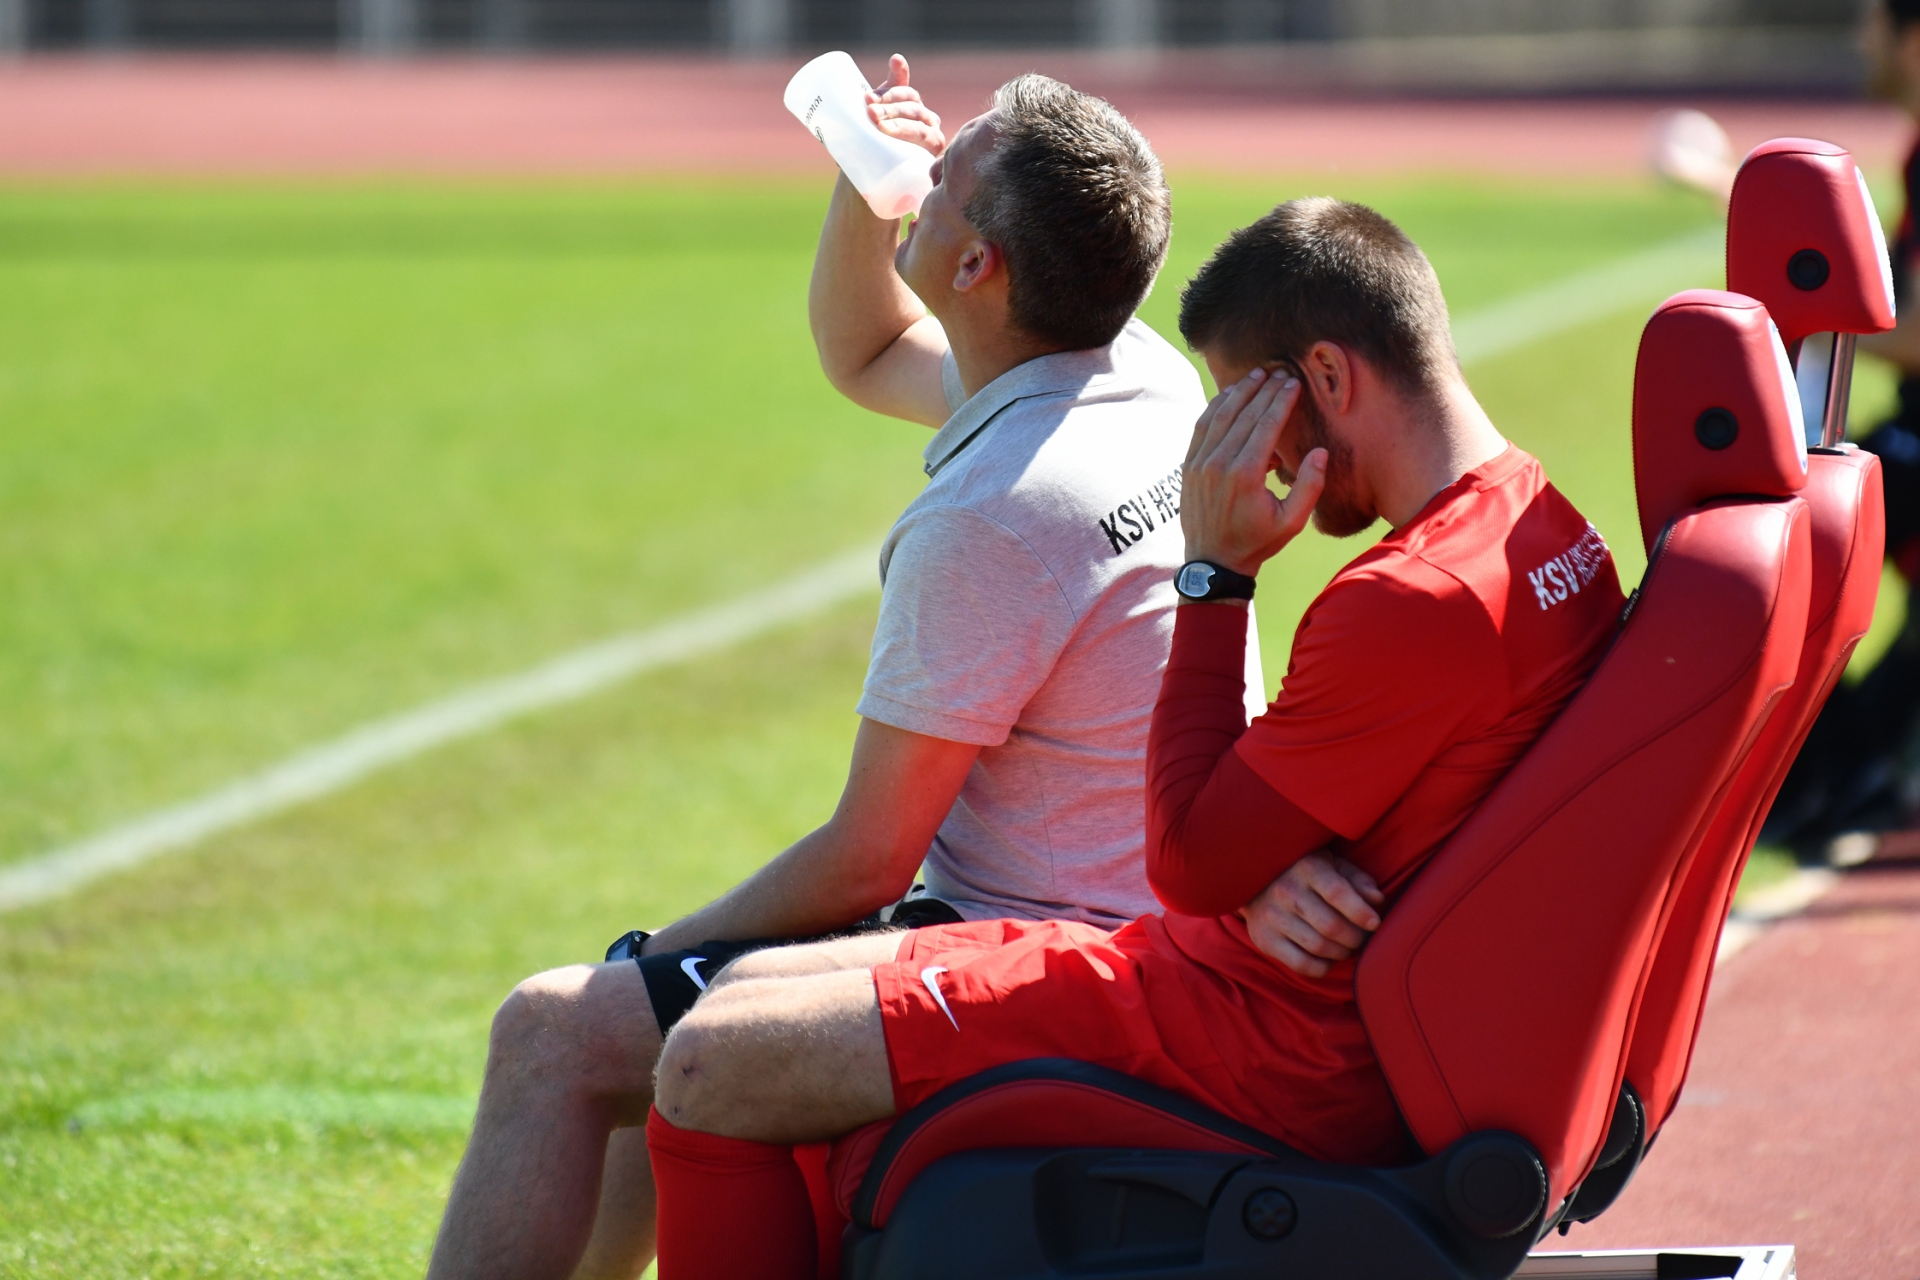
{"x":691,"y":967}
{"x":927,"y":976}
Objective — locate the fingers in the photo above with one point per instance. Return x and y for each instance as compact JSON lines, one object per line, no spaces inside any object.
{"x":1264,"y":421}
{"x":1275,"y":390}
{"x":1365,"y":884}
{"x":897,"y":76}
{"x":1339,"y":893}
{"x":1315,"y":914}
{"x":1223,"y":413}
{"x":920,"y":135}
{"x":1277,"y":947}
{"x":1318,"y":927}
{"x":1304,"y":494}
{"x":1291,"y":907}
{"x":901,"y":114}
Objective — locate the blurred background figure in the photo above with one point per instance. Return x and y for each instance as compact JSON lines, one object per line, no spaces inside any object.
{"x":1689,"y":147}
{"x":1857,"y":770}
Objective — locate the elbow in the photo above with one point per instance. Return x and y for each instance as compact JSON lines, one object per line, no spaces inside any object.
{"x":842,"y":366}
{"x":877,"y":878}
{"x":1174,"y":880}
{"x":845,"y":376}
{"x":839,"y":371}
{"x":1185,"y":899}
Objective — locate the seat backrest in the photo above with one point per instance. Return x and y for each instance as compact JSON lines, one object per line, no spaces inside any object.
{"x":1792,"y":197}
{"x":1803,"y":238}
{"x":1500,"y":989}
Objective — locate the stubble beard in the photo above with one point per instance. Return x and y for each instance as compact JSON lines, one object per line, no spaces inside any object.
{"x":1339,"y":513}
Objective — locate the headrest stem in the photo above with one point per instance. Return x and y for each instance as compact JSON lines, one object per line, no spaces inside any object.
{"x":1833,"y":422}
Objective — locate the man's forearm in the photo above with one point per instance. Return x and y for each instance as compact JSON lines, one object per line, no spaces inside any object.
{"x":816,"y":886}
{"x":859,"y":309}
{"x":856,"y":303}
{"x":1217,"y":833}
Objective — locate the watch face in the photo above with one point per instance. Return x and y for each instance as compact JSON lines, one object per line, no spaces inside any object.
{"x":1195,"y":579}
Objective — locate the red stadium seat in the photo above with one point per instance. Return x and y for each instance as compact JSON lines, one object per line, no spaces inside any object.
{"x":1802,"y":237}
{"x":1792,"y":200}
{"x":1499,"y":993}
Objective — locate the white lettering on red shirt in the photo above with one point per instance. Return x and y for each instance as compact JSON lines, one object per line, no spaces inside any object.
{"x":1569,"y":571}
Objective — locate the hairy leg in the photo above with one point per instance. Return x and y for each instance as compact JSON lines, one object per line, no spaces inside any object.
{"x":570,"y":1059}
{"x":861,"y":951}
{"x":795,"y":1058}
{"x":623,"y":1226}
{"x":623,"y":1229}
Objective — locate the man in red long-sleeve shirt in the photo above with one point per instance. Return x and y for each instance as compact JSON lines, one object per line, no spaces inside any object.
{"x":1417,"y":678}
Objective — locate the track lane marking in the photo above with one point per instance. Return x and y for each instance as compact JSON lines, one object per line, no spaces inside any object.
{"x":1495,"y":330}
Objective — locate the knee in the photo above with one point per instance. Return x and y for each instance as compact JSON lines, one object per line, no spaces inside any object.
{"x":540,"y":1023}
{"x":693,"y":1084}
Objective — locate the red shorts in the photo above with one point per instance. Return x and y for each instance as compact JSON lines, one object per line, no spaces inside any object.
{"x":1235,"y":1036}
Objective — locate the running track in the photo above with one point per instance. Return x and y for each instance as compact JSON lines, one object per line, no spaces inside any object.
{"x":1800,"y":1122}
{"x":307,"y":115}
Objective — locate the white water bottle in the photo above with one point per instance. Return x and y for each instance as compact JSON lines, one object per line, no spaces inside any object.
{"x":829,"y":97}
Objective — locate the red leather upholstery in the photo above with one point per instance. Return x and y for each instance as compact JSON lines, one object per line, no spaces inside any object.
{"x":1790,"y":194}
{"x":1500,"y":990}
{"x":1848,"y":522}
{"x":1794,"y":194}
{"x":1704,"y":329}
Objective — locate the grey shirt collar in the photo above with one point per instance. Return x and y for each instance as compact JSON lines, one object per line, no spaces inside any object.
{"x":1073,"y":373}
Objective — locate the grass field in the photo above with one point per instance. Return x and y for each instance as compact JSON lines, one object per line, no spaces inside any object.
{"x":278,"y":460}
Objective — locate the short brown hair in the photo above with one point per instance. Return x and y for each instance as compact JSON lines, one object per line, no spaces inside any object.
{"x":1074,"y":197}
{"x":1320,"y":269}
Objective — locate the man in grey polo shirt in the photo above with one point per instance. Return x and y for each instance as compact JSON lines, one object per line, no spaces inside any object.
{"x":1025,"y":610}
{"x":1025,"y":618}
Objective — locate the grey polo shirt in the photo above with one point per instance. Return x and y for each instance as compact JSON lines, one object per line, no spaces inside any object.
{"x":1027,"y":606}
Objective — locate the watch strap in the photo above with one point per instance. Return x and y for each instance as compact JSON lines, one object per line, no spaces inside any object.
{"x":1222,"y":583}
{"x":627,"y":945}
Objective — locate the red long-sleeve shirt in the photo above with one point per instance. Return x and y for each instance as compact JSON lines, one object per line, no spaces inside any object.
{"x":1216,"y":833}
{"x":1418,"y":676}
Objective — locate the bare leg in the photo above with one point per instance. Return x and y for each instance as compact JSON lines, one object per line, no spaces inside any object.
{"x":861,"y":951}
{"x":570,"y":1060}
{"x":783,"y":1058}
{"x":623,"y":1229}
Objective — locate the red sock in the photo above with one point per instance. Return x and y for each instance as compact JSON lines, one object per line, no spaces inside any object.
{"x":829,"y":1224}
{"x":729,"y":1209}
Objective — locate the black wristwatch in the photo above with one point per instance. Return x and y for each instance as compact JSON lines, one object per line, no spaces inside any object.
{"x":1205,"y":580}
{"x":627,"y":945}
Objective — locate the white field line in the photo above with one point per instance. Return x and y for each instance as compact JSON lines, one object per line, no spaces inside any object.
{"x":1555,"y":308}
{"x":1775,"y":902}
{"x":329,"y":767}
{"x":1641,"y":279}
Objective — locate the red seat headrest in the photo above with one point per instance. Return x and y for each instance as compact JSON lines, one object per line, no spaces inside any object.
{"x":1803,"y":237}
{"x":1715,"y":410}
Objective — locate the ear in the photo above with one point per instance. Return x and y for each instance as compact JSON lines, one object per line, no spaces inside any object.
{"x":1328,"y":373}
{"x":979,"y":261}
